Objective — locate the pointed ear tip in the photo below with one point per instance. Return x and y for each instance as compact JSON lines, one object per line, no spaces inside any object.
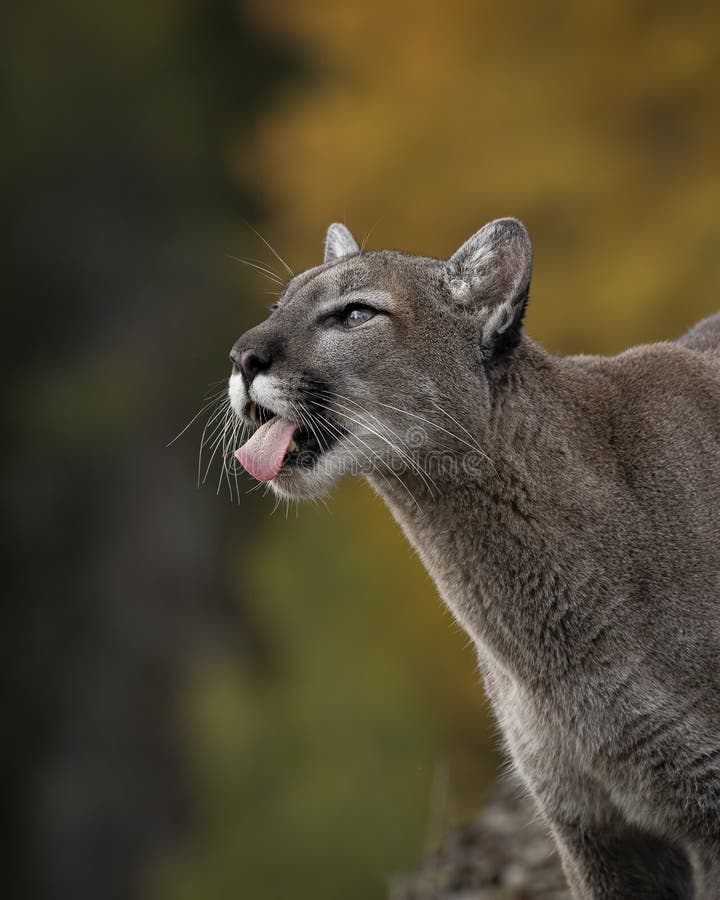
{"x":339,"y":241}
{"x":510,"y":223}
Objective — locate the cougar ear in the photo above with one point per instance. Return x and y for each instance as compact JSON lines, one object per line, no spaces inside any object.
{"x":491,"y":272}
{"x":339,"y":242}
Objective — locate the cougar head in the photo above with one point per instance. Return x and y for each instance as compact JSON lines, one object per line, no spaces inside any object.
{"x":373,"y":360}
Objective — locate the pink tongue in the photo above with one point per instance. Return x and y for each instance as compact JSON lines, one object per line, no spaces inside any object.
{"x":262,"y":456}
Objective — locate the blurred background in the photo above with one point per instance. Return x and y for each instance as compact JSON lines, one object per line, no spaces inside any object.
{"x":203,"y":699}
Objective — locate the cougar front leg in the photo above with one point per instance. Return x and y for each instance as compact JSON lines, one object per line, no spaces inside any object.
{"x":621,"y":862}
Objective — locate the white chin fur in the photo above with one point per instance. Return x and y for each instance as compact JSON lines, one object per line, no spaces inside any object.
{"x":301,"y":485}
{"x":310,"y":484}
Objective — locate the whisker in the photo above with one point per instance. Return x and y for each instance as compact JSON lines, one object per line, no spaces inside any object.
{"x":266,"y":265}
{"x":210,"y":420}
{"x":234,"y":466}
{"x":375,"y":453}
{"x":475,"y":446}
{"x":258,"y":268}
{"x":414,"y":465}
{"x":223,"y":454}
{"x":214,"y":447}
{"x":368,"y":233}
{"x":460,"y":425}
{"x":227,"y":450}
{"x":379,"y":421}
{"x":440,"y":427}
{"x":211,"y":401}
{"x":352,"y":439}
{"x":307,"y":421}
{"x":272,"y":250}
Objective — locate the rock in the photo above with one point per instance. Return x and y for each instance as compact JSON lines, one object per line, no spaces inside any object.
{"x":505,"y":853}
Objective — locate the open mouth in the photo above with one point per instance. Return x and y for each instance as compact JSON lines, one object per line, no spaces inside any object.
{"x":279,"y":444}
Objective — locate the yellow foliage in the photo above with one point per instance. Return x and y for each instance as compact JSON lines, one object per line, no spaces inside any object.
{"x":595,"y":123}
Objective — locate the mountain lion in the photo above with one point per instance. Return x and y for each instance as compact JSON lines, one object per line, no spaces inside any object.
{"x":567,"y":508}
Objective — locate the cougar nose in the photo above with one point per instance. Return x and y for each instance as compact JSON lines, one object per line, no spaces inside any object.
{"x":249,"y":362}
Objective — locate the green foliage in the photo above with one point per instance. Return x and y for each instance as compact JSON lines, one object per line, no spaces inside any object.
{"x":315,"y":779}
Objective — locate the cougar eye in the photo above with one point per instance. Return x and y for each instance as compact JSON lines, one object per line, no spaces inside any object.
{"x":357,"y":315}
